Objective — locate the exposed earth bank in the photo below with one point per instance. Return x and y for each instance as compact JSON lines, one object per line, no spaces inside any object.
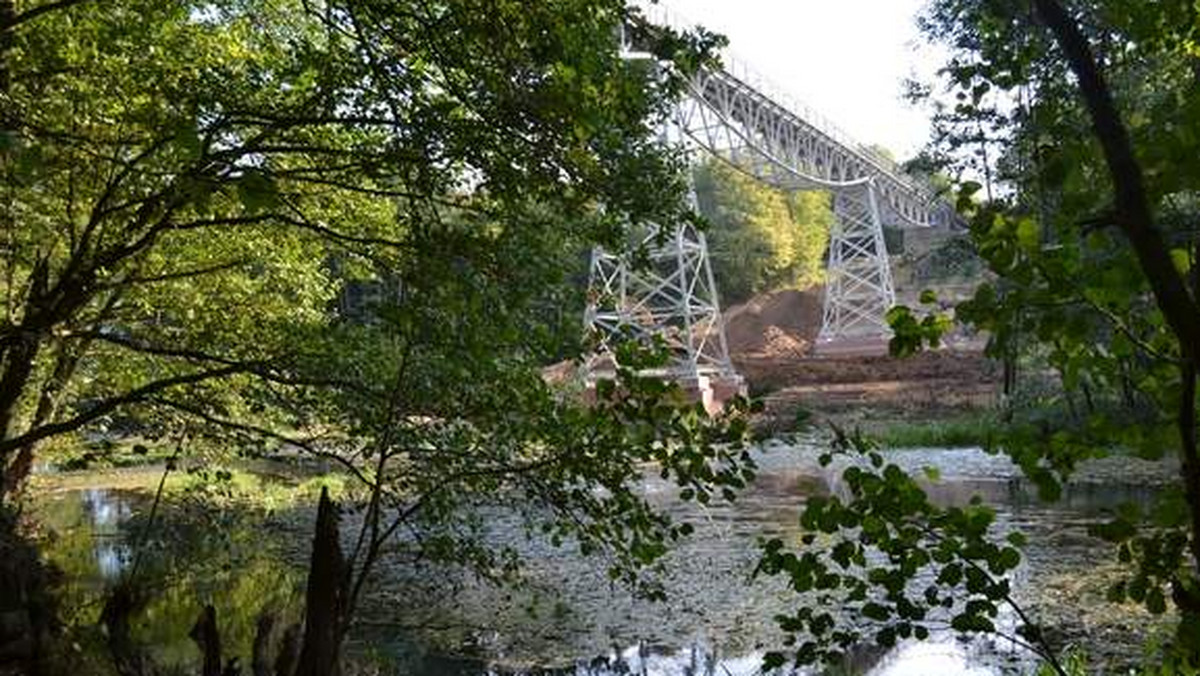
{"x":773,"y":343}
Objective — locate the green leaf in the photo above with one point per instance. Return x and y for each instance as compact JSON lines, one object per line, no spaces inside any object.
{"x":257,"y":191}
{"x":950,"y":575}
{"x":773,"y":660}
{"x":875,"y":611}
{"x":1182,"y":260}
{"x":1116,"y":592}
{"x":1028,"y":234}
{"x":1156,"y":603}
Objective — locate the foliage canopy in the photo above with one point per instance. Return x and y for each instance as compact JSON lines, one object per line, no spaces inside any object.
{"x":1085,"y":116}
{"x":760,"y":238}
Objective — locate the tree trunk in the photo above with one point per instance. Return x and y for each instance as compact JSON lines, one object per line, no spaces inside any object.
{"x":20,"y":357}
{"x":289,"y":652}
{"x":208,"y":639}
{"x":260,"y":659}
{"x":65,"y":362}
{"x":122,"y":603}
{"x":8,"y":17}
{"x":28,"y":612}
{"x":1177,"y":303}
{"x":323,"y":622}
{"x":1187,"y":594}
{"x":1134,"y":215}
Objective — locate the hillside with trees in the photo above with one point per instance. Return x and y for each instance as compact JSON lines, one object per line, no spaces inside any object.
{"x":760,"y":239}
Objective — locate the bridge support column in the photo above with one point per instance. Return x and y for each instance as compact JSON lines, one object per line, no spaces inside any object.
{"x":858,"y":287}
{"x":672,"y":298}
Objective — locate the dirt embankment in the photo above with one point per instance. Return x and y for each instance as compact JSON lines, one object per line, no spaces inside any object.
{"x":772,"y":341}
{"x":780,"y":325}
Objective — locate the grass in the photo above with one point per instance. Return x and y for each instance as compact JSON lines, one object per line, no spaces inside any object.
{"x":237,"y":486}
{"x":966,"y":432}
{"x":215,"y":480}
{"x":72,"y":454}
{"x":144,"y":478}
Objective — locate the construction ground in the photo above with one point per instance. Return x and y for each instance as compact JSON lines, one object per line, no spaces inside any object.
{"x":772,"y":342}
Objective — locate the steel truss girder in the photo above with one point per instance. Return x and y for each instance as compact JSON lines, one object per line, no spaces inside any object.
{"x":760,"y":136}
{"x":781,"y":153}
{"x":738,"y":114}
{"x":671,"y":295}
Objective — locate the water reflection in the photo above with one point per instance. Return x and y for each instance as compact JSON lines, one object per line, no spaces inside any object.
{"x":925,"y":658}
{"x":696,"y":660}
{"x":106,"y":511}
{"x":715,"y":611}
{"x":569,"y":619}
{"x":911,"y":658}
{"x":191,"y":557}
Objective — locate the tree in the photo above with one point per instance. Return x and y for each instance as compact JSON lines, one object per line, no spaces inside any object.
{"x":222,"y":155}
{"x":190,"y":185}
{"x":760,"y":238}
{"x":1087,"y":111}
{"x":1118,"y":266}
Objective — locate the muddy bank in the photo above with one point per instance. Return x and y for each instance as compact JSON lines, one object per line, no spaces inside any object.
{"x":772,"y":339}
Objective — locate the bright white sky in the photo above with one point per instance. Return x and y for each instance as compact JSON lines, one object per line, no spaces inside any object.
{"x":846,"y":59}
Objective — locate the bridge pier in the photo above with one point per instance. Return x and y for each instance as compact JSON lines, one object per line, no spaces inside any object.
{"x":858,"y":287}
{"x":670,"y":300}
{"x":862,"y":346}
{"x":712,"y":391}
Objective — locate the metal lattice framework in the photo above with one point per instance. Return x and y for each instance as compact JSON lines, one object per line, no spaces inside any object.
{"x":785,"y":148}
{"x":739,"y":116}
{"x":671,"y":295}
{"x":858,"y":288}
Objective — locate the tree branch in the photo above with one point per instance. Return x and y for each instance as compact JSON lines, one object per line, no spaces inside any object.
{"x":31,"y":14}
{"x":298,"y":222}
{"x":305,"y":445}
{"x":172,"y":276}
{"x":109,"y":405}
{"x":261,"y":368}
{"x":1133,"y":207}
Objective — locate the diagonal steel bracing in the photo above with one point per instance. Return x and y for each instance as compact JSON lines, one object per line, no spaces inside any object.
{"x":858,"y":286}
{"x":669,"y":294}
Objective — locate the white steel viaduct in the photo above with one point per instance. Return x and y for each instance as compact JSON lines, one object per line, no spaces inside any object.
{"x":736,"y":115}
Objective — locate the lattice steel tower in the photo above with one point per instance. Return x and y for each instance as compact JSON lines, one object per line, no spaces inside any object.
{"x":858,"y":277}
{"x":670,"y":295}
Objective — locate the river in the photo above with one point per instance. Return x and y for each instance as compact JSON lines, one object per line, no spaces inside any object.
{"x":567,"y":618}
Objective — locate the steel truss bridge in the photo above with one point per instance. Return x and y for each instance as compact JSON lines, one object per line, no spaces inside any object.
{"x":739,"y":117}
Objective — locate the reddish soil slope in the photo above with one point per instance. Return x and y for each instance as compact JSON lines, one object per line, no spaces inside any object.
{"x":771,"y":337}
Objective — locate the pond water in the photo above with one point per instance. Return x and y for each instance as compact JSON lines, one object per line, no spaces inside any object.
{"x":568,"y":618}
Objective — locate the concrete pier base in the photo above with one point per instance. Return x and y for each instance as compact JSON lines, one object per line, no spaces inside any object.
{"x":859,"y":346}
{"x":711,"y":391}
{"x":725,"y":388}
